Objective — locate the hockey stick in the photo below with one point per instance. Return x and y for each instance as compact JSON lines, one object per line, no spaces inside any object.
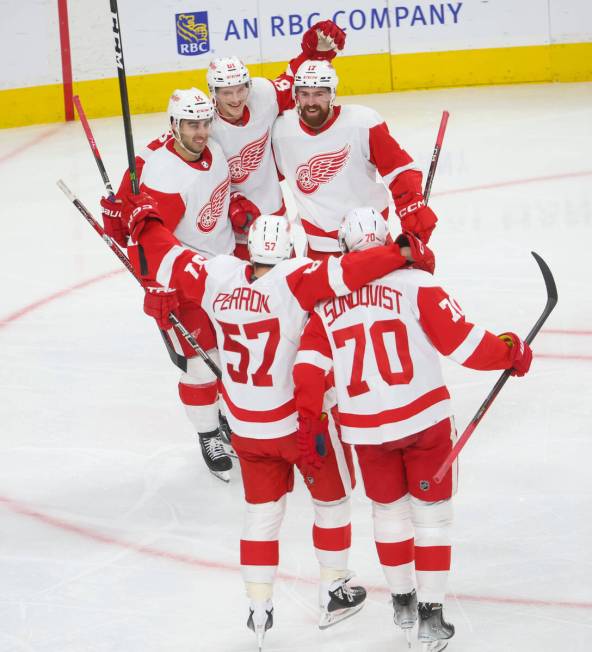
{"x":131,"y":160}
{"x":93,"y":147}
{"x":548,"y":309}
{"x":125,"y":110}
{"x":435,"y":156}
{"x":179,"y":360}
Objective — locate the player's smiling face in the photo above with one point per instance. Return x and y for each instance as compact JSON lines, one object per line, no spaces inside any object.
{"x":231,"y":100}
{"x":314,"y":105}
{"x":194,"y":134}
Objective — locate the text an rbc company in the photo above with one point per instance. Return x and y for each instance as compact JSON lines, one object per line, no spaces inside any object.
{"x":193,"y":33}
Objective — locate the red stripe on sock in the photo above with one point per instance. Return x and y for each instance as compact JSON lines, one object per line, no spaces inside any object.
{"x":198,"y":394}
{"x":259,"y":553}
{"x":395,"y":554}
{"x":432,"y":558}
{"x":331,"y":539}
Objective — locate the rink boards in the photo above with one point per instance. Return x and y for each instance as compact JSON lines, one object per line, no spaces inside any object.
{"x":60,"y":49}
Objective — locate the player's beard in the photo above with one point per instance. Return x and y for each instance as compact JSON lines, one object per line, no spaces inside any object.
{"x":317,"y":117}
{"x":192,"y":147}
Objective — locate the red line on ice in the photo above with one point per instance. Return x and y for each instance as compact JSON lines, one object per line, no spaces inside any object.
{"x":151,"y":551}
{"x":4,"y":321}
{"x":35,"y":141}
{"x":514,"y":182}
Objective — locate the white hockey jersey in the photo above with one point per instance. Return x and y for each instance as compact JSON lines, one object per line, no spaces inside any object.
{"x":193,"y":196}
{"x":382,"y":343}
{"x":247,"y":146}
{"x":258,"y":321}
{"x":333,"y":170}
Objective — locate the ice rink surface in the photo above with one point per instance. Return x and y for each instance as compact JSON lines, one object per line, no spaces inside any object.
{"x":113,"y":535}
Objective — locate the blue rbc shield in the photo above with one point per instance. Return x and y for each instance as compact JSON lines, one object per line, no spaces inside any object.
{"x":193,"y":33}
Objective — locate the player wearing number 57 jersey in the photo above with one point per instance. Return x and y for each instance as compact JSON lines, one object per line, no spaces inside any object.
{"x":258,"y":310}
{"x":382,"y":343}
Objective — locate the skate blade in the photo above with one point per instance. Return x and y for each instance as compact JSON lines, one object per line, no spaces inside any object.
{"x":434,"y":646}
{"x":260,"y":633}
{"x":330,"y":618}
{"x":408,"y":636}
{"x":221,"y":475}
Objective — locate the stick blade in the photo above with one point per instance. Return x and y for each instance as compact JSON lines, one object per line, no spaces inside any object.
{"x":548,"y":278}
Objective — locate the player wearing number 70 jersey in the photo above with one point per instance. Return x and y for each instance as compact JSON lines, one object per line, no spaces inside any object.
{"x":382,"y":342}
{"x":258,"y":310}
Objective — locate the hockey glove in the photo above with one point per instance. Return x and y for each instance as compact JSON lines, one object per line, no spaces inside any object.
{"x":323,"y":40}
{"x":242,"y":212}
{"x":521,"y":353}
{"x":422,"y":256}
{"x":415,"y":216}
{"x":113,"y":224}
{"x":159,"y":302}
{"x":311,"y":439}
{"x":136,"y":210}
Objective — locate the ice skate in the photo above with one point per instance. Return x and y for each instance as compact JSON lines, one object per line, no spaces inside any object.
{"x":405,"y":608}
{"x":214,"y":454}
{"x":260,"y":620}
{"x":226,"y":435}
{"x":341,"y":602}
{"x":434,"y":632}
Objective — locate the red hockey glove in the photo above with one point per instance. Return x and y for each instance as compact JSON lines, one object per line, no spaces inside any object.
{"x":311,"y":439}
{"x":521,"y":353}
{"x":423,"y":257}
{"x":323,"y":40}
{"x":242,"y":212}
{"x":416,"y":217}
{"x":136,"y":210}
{"x":114,"y":226}
{"x":159,"y":302}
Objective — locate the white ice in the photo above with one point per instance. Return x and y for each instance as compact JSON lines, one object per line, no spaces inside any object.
{"x":113,"y":536}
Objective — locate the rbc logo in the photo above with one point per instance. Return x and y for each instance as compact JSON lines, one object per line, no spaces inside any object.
{"x":193,"y":33}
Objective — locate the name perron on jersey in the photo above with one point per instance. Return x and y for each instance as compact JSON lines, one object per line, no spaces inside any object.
{"x":382,"y":343}
{"x":258,"y":321}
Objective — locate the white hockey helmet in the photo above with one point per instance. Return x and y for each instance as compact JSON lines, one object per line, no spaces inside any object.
{"x":270,"y":240}
{"x":316,"y":74}
{"x":362,"y":228}
{"x":189,"y":104}
{"x":226,"y":71}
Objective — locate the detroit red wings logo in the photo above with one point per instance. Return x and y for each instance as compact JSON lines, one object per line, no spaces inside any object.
{"x":248,"y":159}
{"x":321,"y":168}
{"x":210,"y":214}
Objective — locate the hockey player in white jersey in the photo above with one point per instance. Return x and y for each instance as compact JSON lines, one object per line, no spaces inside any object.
{"x":189,"y":175}
{"x":258,"y":310}
{"x":382,"y":343}
{"x":326,"y":151}
{"x":246,"y":109}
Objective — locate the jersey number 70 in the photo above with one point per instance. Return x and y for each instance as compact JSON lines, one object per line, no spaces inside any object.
{"x":378,"y":331}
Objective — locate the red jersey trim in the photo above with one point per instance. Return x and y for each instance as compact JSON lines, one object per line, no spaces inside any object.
{"x":397,"y":414}
{"x":204,"y":162}
{"x":314,"y":132}
{"x":260,"y":416}
{"x":311,"y":229}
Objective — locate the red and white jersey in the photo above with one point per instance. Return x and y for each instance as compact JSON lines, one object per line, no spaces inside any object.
{"x":333,"y":170}
{"x":247,"y":145}
{"x":382,"y":342}
{"x":193,"y":196}
{"x":258,"y":321}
